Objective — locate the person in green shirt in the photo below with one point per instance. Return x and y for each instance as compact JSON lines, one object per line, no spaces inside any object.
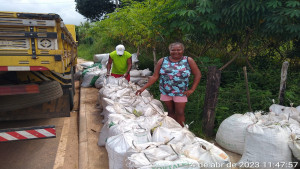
{"x":122,"y":63}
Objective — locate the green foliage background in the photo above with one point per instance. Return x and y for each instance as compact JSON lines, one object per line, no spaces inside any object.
{"x":258,"y":34}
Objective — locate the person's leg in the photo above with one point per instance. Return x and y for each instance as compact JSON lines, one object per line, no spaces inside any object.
{"x":179,"y":112}
{"x":171,"y":108}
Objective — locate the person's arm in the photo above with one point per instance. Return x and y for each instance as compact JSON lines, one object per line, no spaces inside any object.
{"x":129,"y":63}
{"x":152,"y":78}
{"x":197,"y":76}
{"x":108,"y":66}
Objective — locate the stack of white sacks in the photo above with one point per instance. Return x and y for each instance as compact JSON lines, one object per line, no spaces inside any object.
{"x":137,"y":133}
{"x":264,"y":140}
{"x":95,"y":76}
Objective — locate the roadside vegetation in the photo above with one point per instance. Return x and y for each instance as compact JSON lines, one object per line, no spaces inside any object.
{"x":228,"y":34}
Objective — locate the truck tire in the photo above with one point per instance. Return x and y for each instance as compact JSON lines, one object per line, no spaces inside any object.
{"x":48,"y":91}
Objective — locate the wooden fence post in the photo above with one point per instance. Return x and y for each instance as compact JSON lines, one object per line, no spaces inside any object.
{"x":284,"y":69}
{"x":211,"y":99}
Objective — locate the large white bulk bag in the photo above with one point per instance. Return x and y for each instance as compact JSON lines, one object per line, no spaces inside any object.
{"x":134,"y":73}
{"x":123,"y":92}
{"x":140,"y":135}
{"x":106,"y":112}
{"x":106,"y":102}
{"x":87,"y":64}
{"x":90,"y":78}
{"x":99,"y":57}
{"x":134,"y":58}
{"x":146,"y":72}
{"x":157,"y":103}
{"x":180,"y":163}
{"x":276,"y":108}
{"x":294,"y":144}
{"x":292,"y":113}
{"x":207,"y":154}
{"x":113,"y":120}
{"x":108,"y":92}
{"x":117,"y":147}
{"x":103,"y":135}
{"x":298,"y":108}
{"x":173,"y":135}
{"x":100,"y":81}
{"x":266,"y":146}
{"x":231,"y":133}
{"x":160,"y":152}
{"x":149,"y":122}
{"x":169,"y":122}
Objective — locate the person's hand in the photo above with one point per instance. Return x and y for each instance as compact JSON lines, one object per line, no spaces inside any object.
{"x":188,"y":92}
{"x":125,"y":75}
{"x":107,"y":75}
{"x":139,"y":92}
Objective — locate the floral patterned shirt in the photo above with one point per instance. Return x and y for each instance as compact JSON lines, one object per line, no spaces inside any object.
{"x":174,"y":76}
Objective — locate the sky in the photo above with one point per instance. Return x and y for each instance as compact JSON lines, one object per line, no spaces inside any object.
{"x":64,"y":8}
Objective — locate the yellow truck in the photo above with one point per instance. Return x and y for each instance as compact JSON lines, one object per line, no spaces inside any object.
{"x":38,"y":55}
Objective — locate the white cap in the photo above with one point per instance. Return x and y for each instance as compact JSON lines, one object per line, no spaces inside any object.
{"x":120,"y":49}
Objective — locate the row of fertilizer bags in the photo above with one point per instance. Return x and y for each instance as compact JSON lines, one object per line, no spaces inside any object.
{"x":93,"y":73}
{"x":137,"y":133}
{"x":265,"y":140}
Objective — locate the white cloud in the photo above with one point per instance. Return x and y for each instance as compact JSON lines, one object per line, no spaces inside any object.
{"x":64,"y":8}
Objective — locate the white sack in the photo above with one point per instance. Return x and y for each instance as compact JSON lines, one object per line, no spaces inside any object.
{"x":266,"y":144}
{"x":173,"y":135}
{"x":134,"y":58}
{"x":99,"y":57}
{"x":103,"y":134}
{"x":117,"y":147}
{"x":294,"y":144}
{"x":100,"y":81}
{"x":149,"y":122}
{"x":292,"y":113}
{"x":169,"y":122}
{"x":276,"y":108}
{"x":146,"y":72}
{"x":86,"y":64}
{"x":90,"y":78}
{"x":207,"y":154}
{"x":157,"y":103}
{"x":134,"y":73}
{"x":128,"y":125}
{"x":232,"y":131}
{"x":298,"y":108}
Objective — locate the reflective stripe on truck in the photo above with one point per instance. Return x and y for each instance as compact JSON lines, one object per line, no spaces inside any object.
{"x":27,"y":133}
{"x":22,"y":68}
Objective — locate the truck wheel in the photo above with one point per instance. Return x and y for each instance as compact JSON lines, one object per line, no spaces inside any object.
{"x":48,"y":91}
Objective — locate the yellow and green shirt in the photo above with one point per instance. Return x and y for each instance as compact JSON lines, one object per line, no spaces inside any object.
{"x":119,"y":62}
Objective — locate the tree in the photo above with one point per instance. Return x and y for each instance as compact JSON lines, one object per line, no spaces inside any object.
{"x":220,"y":23}
{"x":94,"y":10}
